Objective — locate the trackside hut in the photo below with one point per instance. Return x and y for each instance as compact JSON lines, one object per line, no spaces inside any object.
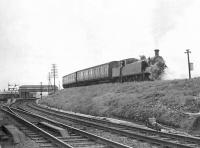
{"x":34,"y":91}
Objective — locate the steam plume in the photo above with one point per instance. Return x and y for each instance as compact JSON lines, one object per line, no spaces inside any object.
{"x":166,"y":15}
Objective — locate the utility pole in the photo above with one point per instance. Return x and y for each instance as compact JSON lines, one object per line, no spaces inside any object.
{"x":188,"y":56}
{"x":41,"y":89}
{"x":49,"y":83}
{"x":59,"y":88}
{"x":122,"y":64}
{"x":54,"y":74}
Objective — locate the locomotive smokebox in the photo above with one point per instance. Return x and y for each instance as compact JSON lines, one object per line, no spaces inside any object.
{"x":156,"y":52}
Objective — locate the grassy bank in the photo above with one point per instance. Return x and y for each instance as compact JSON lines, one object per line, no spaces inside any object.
{"x":166,"y":100}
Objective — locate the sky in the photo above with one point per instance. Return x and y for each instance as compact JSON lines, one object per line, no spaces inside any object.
{"x":34,"y":34}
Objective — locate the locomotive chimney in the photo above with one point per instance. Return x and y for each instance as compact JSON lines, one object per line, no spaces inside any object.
{"x":156,"y":52}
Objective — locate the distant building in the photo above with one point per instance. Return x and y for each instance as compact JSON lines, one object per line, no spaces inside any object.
{"x":4,"y":95}
{"x":35,"y":91}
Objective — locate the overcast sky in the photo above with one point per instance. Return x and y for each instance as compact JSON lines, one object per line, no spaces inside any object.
{"x":76,"y":34}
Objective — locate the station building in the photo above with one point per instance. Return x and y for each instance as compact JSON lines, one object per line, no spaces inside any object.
{"x":35,"y":91}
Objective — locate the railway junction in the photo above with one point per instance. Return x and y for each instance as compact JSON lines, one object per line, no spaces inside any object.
{"x":54,"y":128}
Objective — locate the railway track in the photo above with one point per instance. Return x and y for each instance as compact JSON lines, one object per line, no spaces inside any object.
{"x":34,"y":132}
{"x":142,"y":134}
{"x":76,"y":139}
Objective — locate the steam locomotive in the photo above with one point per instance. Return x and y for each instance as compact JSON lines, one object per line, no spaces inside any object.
{"x":116,"y":71}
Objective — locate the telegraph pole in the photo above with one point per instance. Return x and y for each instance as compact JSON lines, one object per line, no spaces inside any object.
{"x":54,"y":74}
{"x":41,"y":89}
{"x":49,"y":83}
{"x":188,"y":56}
{"x":122,"y":64}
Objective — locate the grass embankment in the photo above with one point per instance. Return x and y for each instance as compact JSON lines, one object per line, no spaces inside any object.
{"x":137,"y":101}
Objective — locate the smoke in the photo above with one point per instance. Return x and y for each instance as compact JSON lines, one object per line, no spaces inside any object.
{"x":157,"y":68}
{"x":166,"y":16}
{"x":169,"y":74}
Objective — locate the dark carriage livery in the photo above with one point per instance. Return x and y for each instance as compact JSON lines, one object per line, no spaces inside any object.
{"x":117,"y":71}
{"x":92,"y":75}
{"x":109,"y":72}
